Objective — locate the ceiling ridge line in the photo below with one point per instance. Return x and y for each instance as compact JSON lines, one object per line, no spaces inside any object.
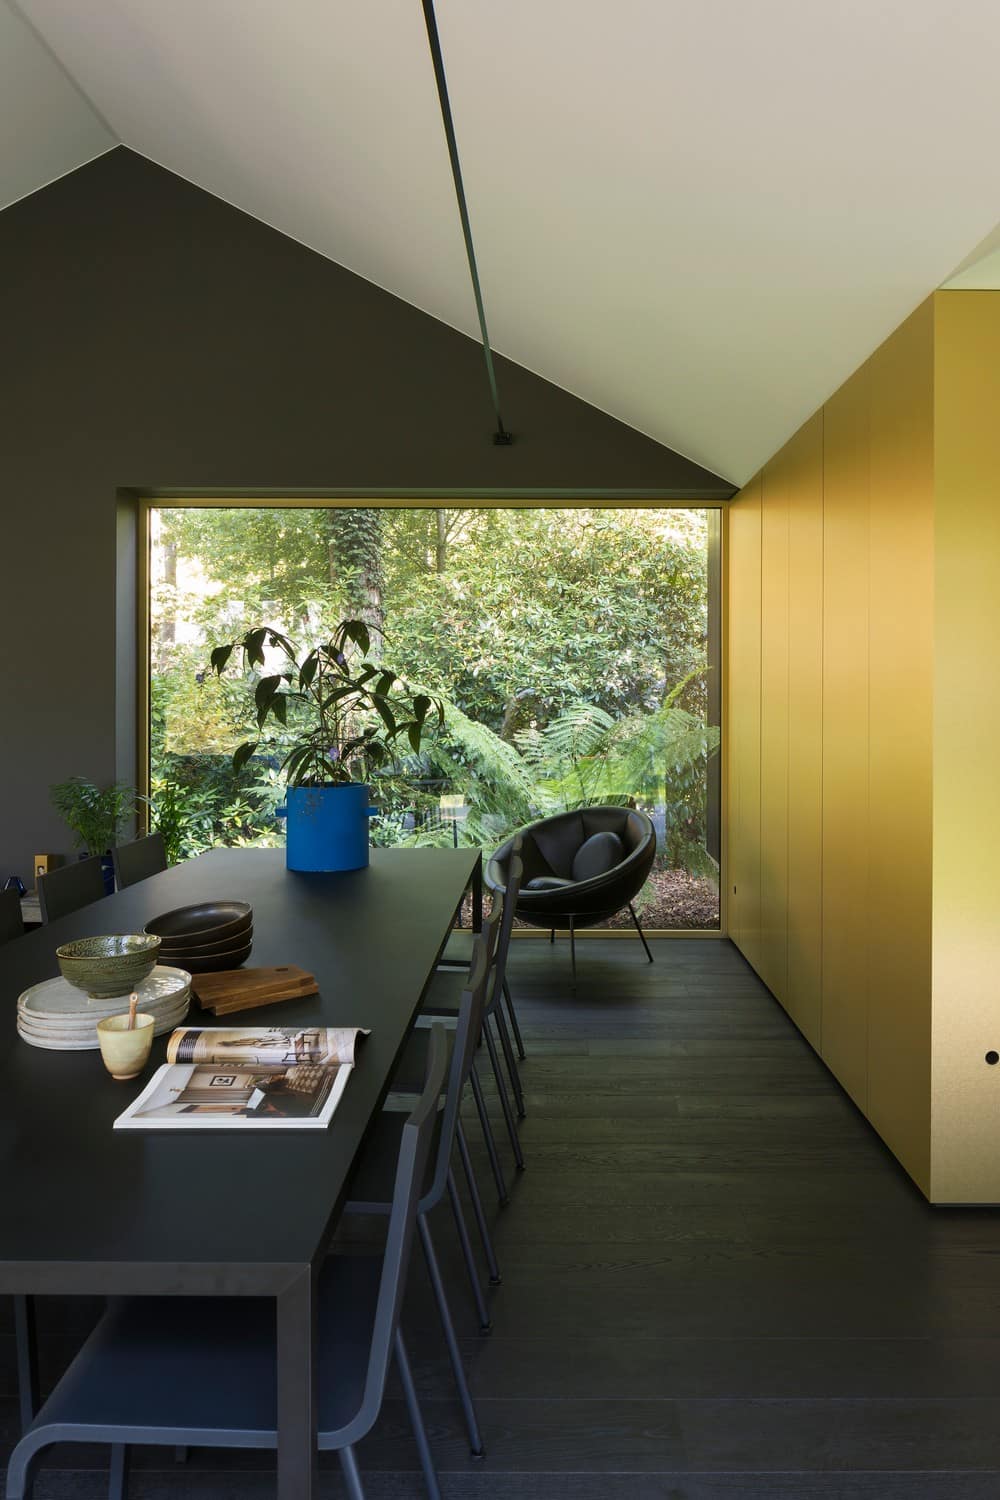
{"x":502,"y":437}
{"x":14,"y":6}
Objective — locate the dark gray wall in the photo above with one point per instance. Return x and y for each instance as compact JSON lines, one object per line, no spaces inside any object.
{"x":151,"y":336}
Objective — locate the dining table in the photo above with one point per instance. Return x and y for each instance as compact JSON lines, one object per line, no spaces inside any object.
{"x":91,"y":1211}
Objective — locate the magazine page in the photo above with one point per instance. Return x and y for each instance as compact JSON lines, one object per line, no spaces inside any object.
{"x":270,"y":1079}
{"x":273,"y":1046}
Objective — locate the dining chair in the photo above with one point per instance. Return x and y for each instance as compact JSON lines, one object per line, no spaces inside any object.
{"x":11,"y":921}
{"x":136,"y":861}
{"x":369,"y":1187}
{"x":69,"y":887}
{"x":201,"y":1371}
{"x":441,"y":1001}
{"x":458,"y":955}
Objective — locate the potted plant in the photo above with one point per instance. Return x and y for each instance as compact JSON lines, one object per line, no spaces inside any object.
{"x":96,"y":816}
{"x":338,"y":718}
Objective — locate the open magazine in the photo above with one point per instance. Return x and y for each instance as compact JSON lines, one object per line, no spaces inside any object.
{"x":253,"y":1078}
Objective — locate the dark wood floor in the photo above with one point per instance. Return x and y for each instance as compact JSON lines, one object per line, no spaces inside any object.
{"x":717,"y":1283}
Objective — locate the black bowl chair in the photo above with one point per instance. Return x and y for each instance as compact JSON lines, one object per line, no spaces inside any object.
{"x":580,"y":868}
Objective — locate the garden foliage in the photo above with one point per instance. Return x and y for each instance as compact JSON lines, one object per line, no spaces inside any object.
{"x":568,"y":648}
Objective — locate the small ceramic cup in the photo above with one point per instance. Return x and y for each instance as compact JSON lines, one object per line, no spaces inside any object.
{"x":125,"y":1052}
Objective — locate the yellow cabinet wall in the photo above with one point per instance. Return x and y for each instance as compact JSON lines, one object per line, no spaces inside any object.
{"x":864,"y":734}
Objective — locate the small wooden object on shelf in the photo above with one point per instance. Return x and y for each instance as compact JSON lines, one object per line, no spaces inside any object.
{"x":245,"y":989}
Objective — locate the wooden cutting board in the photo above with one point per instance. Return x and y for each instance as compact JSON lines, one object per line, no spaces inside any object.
{"x":244,"y":989}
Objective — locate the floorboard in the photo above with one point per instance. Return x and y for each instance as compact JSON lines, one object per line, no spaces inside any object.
{"x":718,"y":1284}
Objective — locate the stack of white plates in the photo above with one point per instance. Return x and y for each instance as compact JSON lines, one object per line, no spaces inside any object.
{"x":56,"y":1015}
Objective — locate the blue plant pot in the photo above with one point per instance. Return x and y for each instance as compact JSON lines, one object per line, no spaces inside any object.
{"x":107,"y":870}
{"x":327,"y":827}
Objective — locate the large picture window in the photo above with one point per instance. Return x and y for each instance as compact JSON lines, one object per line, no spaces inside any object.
{"x":575,"y":650}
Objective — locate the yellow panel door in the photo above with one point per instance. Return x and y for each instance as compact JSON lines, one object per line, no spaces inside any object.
{"x":803,"y":460}
{"x":774,"y":727}
{"x":965,"y":1162}
{"x":743,"y":721}
{"x":846,"y":907}
{"x":901,"y":612}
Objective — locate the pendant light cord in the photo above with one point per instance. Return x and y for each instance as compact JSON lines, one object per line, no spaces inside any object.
{"x":501,"y":437}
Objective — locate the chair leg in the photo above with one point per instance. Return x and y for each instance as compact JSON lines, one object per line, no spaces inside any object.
{"x":509,"y":1058}
{"x":454,"y":1353}
{"x":639,"y":930}
{"x":26,"y":1340}
{"x":118,"y":1472}
{"x":572,"y":950}
{"x":508,"y":1113}
{"x":552,"y":935}
{"x":512,"y":1013}
{"x":351,"y":1473}
{"x":477,"y":1204}
{"x":482,"y":1311}
{"x":491,"y":1145}
{"x":416,"y":1418}
{"x":21,"y":1468}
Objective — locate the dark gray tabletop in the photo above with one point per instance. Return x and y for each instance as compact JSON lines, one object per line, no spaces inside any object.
{"x":90,"y":1209}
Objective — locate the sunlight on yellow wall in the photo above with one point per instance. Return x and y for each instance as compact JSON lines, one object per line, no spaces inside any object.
{"x":841,"y":822}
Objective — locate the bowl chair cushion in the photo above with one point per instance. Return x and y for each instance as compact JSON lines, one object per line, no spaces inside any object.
{"x":597,"y":855}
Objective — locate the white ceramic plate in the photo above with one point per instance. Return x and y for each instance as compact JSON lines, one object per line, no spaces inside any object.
{"x":89,"y":1029}
{"x":56,"y":1040}
{"x":58,"y":1000}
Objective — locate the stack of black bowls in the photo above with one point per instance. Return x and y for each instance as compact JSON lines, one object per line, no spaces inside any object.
{"x":205,"y":938}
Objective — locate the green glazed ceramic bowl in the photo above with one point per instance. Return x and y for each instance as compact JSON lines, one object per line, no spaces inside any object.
{"x":107,"y":966}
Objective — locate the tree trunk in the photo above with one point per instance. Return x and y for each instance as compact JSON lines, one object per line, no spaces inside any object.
{"x":355,"y":561}
{"x":441,"y":547}
{"x":167,"y":630}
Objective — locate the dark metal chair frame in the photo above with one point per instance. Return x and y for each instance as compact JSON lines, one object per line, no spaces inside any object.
{"x":70,"y":887}
{"x":436,"y":1005}
{"x":458,"y":955}
{"x":441,"y":1179}
{"x":11,"y":920}
{"x":138,"y":860}
{"x":134,"y":1355}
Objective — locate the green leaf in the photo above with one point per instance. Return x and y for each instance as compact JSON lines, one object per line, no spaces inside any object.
{"x":242,"y":754}
{"x":357,"y":631}
{"x":253,"y":645}
{"x":386,"y":714}
{"x":220,"y":658}
{"x":308,"y":670}
{"x":264,"y":695}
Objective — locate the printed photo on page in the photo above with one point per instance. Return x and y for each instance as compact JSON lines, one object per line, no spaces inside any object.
{"x":262,"y":1077}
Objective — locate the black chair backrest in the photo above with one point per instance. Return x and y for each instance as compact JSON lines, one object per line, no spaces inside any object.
{"x":515,"y":874}
{"x":134,"y":862}
{"x":70,"y":887}
{"x":471,"y":1010}
{"x":414,"y":1146}
{"x":11,"y":922}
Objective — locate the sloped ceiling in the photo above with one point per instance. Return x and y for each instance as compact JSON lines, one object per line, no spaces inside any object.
{"x":980,"y":271}
{"x":48,"y":127}
{"x":699,"y":217}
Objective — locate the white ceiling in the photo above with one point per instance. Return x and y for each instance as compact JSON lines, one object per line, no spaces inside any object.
{"x":699,"y":217}
{"x":980,"y":271}
{"x":47,"y":128}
